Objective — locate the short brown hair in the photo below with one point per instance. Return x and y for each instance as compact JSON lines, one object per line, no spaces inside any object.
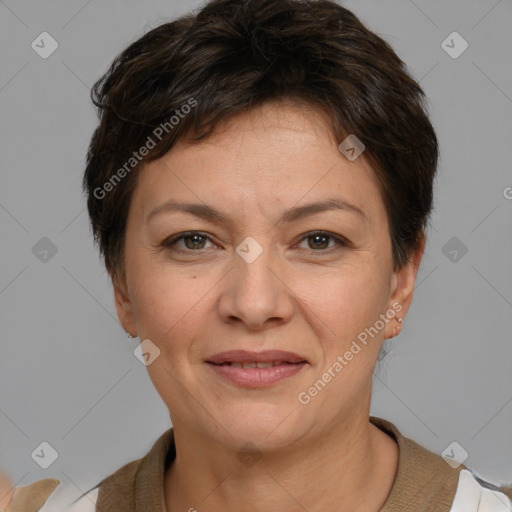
{"x":233,"y":55}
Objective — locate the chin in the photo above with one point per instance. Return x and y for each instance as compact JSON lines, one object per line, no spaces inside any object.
{"x":267,"y":426}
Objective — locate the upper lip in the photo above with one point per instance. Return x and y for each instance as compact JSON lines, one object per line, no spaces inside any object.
{"x":246,"y":356}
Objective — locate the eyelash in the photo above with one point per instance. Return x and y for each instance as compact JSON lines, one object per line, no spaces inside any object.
{"x":340,"y":241}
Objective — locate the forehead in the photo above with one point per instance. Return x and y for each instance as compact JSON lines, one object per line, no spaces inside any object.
{"x":277,"y":153}
{"x":271,"y":132}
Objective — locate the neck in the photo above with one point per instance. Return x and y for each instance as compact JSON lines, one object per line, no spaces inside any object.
{"x":352,"y":468}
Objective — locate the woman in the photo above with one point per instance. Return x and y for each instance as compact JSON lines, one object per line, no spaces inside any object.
{"x":259,"y":186}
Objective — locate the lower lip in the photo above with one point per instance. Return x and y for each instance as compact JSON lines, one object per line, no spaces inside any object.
{"x":256,"y":377}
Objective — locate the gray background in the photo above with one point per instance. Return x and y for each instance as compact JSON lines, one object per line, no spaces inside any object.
{"x":68,"y":374}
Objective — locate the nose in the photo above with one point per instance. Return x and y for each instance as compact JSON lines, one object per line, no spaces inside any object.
{"x":256,"y":293}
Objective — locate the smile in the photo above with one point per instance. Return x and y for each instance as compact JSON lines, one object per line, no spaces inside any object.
{"x":251,"y":369}
{"x":252,"y":364}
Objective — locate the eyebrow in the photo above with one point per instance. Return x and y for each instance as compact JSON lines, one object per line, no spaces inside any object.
{"x":294,"y":214}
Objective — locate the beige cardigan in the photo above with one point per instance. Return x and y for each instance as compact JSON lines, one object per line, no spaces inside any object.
{"x":425,"y":482}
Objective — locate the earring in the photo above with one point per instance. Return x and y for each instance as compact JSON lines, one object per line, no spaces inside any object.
{"x":400,"y":320}
{"x":129,"y":335}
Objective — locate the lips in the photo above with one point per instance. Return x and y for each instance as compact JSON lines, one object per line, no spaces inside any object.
{"x":249,"y":364}
{"x":248,"y":359}
{"x":256,"y":369}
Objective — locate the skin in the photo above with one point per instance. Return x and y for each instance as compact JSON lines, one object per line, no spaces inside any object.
{"x":304,"y":295}
{"x":6,"y":491}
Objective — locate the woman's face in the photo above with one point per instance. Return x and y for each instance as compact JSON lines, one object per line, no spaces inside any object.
{"x":263,"y":274}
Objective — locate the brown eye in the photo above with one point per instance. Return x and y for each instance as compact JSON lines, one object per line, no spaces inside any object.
{"x":320,"y":241}
{"x":192,"y":241}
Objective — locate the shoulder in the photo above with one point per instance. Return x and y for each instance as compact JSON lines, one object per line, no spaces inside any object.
{"x":63,"y":499}
{"x":476,"y":495}
{"x":31,"y":497}
{"x":110,"y":489}
{"x":40,"y":496}
{"x":431,"y":482}
{"x":49,"y":495}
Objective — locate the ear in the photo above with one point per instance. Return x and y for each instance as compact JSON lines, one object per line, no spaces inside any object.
{"x":123,"y":304}
{"x":402,"y":289}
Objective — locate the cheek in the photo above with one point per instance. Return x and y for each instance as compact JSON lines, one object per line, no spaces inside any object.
{"x":171,"y":311}
{"x":168,"y":306}
{"x":345,"y":300}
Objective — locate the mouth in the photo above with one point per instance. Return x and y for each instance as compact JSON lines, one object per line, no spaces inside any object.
{"x":256,"y":369}
{"x":253,"y":364}
{"x":273,"y":357}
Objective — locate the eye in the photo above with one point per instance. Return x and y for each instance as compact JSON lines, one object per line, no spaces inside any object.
{"x":193,"y":241}
{"x":320,"y":241}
